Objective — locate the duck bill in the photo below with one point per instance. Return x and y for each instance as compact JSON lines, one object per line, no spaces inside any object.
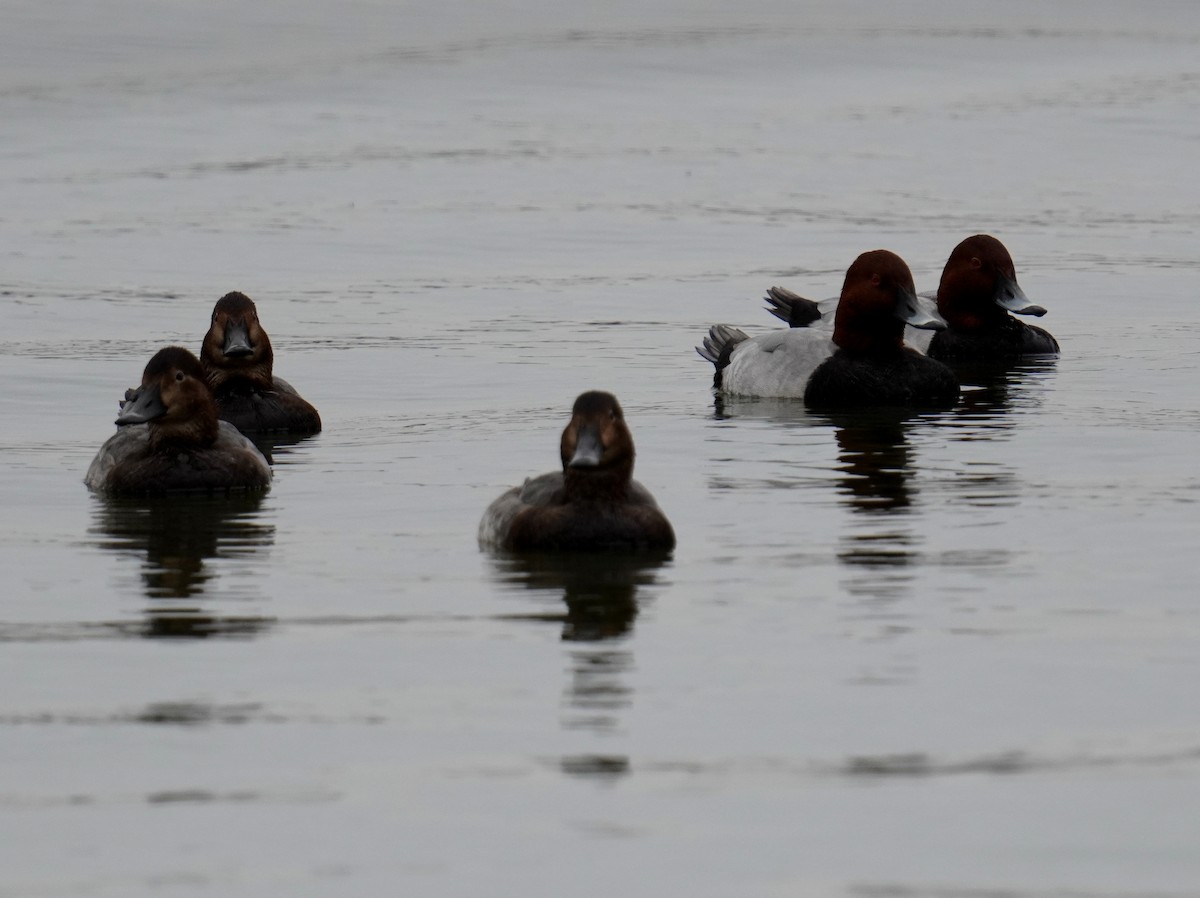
{"x":1010,"y":297}
{"x":917,"y":312}
{"x":588,"y":448}
{"x":142,"y":405}
{"x":237,"y":340}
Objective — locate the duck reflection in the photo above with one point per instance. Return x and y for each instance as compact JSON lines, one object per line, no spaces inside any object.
{"x":276,"y":447}
{"x":599,"y":590}
{"x":992,"y":391}
{"x":778,"y":411}
{"x":600,"y":603}
{"x":993,"y":402}
{"x":875,"y":481}
{"x":873,"y":461}
{"x":178,"y":536}
{"x":876,"y":467}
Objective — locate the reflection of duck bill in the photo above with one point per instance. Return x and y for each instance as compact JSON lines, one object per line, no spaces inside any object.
{"x":593,"y":616}
{"x":1010,"y":297}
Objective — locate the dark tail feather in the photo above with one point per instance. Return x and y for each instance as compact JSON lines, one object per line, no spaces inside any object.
{"x":718,"y":345}
{"x":795,"y":310}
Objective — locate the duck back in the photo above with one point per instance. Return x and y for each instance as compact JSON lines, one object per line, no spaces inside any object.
{"x":538,"y":516}
{"x":777,"y":364}
{"x":254,"y":410}
{"x":127,"y":465}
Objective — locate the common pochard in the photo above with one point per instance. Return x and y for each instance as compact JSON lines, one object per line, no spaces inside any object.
{"x":176,"y":443}
{"x":593,"y":504}
{"x":862,"y":362}
{"x":977,"y":292}
{"x":238,"y":362}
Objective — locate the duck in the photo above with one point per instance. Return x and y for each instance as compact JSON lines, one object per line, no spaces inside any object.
{"x":169,"y":438}
{"x":593,"y":504}
{"x":977,"y":292}
{"x":862,"y":362}
{"x":238,"y":362}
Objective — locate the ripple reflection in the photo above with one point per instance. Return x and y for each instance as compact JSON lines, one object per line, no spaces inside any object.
{"x":282,"y":448}
{"x":600,"y":595}
{"x":992,"y":392}
{"x":179,"y":537}
{"x":876,"y":483}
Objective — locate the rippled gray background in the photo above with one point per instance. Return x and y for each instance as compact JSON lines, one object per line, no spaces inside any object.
{"x":946,"y":656}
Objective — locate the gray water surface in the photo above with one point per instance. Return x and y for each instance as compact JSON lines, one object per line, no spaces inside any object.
{"x":950,"y":654}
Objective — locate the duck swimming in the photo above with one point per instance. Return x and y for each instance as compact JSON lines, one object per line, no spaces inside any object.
{"x":238,"y":361}
{"x":175,"y":442}
{"x":977,"y":292}
{"x":593,"y":504}
{"x":863,"y":362}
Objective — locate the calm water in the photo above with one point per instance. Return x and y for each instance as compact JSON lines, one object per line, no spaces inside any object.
{"x":948,"y":655}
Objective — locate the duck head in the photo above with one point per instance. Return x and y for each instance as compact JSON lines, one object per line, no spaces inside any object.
{"x":597,"y":448}
{"x":979,"y":286}
{"x":878,"y":299}
{"x":174,"y":399}
{"x":236,"y":347}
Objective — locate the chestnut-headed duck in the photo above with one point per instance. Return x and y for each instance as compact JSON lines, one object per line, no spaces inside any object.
{"x":238,"y":361}
{"x":177,"y":444}
{"x":593,"y":504}
{"x":978,"y":291}
{"x":862,"y":362}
